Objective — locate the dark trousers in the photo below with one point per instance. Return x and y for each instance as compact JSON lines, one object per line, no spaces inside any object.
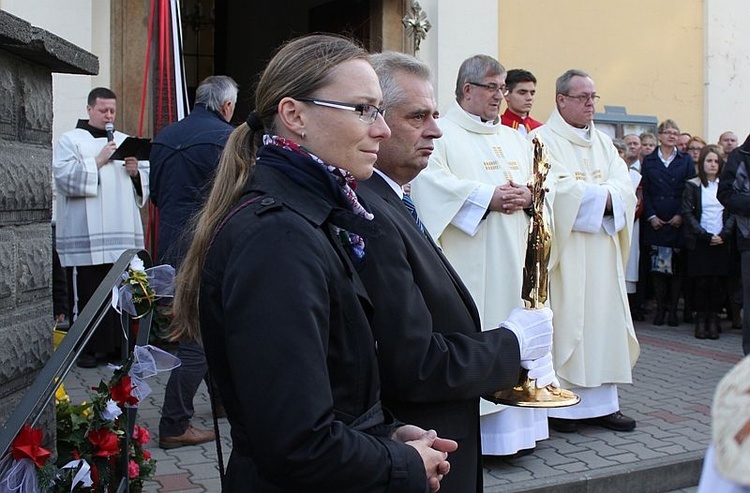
{"x":746,"y":301}
{"x":181,"y":388}
{"x":106,"y":340}
{"x":709,"y":293}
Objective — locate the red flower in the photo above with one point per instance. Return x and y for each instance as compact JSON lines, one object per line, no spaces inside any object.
{"x":141,"y":435}
{"x":133,"y":470}
{"x":27,"y":445}
{"x":146,"y":455}
{"x":105,"y":442}
{"x":121,"y":393}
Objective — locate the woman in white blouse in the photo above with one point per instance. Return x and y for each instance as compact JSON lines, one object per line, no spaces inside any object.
{"x":708,"y":228}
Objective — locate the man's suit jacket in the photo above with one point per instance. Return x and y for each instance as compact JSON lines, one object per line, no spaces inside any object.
{"x":434,"y":360}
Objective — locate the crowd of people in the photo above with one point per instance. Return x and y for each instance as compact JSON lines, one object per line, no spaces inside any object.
{"x":685,"y":251}
{"x":349,"y":247}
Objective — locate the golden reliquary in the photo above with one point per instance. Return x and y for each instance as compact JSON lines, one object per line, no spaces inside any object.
{"x":534,"y":291}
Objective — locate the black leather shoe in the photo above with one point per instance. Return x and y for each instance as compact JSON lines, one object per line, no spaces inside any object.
{"x":615,"y":421}
{"x":563,"y":425}
{"x":522,"y":453}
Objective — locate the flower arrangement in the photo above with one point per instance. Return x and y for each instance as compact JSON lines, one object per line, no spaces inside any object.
{"x":93,"y":436}
{"x":90,"y":444}
{"x":141,"y":287}
{"x":94,"y":433}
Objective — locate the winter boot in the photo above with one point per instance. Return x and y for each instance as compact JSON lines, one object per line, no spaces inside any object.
{"x":712,"y":325}
{"x":700,"y":329}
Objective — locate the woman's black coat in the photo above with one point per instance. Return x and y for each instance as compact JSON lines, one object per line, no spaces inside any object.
{"x":662,"y":188}
{"x":285,"y":323}
{"x":691,"y":214}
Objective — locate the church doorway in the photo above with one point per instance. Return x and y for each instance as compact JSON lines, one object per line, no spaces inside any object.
{"x":237,"y":38}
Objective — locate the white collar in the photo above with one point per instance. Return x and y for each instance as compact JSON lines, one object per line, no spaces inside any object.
{"x":477,"y":118}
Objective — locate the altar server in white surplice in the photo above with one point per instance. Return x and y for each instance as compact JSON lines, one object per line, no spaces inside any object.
{"x":471,"y":198}
{"x":593,"y":204}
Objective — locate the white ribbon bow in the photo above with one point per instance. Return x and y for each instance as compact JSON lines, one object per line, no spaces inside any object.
{"x":149,"y":361}
{"x":160,"y":279}
{"x":83,"y":475}
{"x":18,"y":476}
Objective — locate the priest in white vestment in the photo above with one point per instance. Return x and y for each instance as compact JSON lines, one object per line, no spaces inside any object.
{"x":593,"y":205}
{"x":471,"y":198}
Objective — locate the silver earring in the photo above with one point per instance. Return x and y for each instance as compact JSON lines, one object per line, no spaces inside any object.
{"x":303,"y":135}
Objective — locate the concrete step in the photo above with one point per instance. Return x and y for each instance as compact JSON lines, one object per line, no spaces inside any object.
{"x":647,"y":476}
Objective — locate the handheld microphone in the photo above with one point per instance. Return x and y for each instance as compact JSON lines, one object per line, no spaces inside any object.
{"x":110,"y":128}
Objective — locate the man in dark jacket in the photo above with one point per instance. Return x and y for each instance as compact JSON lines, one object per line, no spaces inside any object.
{"x":734,"y":193}
{"x":435,"y":362}
{"x":184,"y":158}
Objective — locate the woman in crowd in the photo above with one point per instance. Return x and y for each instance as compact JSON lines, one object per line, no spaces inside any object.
{"x":694,"y":146}
{"x":664,"y":172}
{"x":270,"y":276}
{"x":648,"y":145}
{"x":708,"y":228}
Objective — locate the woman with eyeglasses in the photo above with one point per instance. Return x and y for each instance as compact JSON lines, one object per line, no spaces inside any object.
{"x":270,"y":284}
{"x":708,"y":229}
{"x":664,"y":172}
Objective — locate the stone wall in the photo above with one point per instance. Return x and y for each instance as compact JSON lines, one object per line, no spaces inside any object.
{"x":28,"y":57}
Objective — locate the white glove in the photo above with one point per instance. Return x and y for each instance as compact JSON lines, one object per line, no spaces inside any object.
{"x":542,"y":371}
{"x":533,"y":329}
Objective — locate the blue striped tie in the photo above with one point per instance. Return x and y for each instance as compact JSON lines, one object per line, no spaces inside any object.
{"x":409,"y":203}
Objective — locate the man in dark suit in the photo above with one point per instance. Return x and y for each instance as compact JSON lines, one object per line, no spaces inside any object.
{"x":435,"y":362}
{"x":184,"y":158}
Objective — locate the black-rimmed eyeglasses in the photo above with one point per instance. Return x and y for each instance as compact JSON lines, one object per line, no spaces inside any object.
{"x":368,"y":113}
{"x":584,"y":98}
{"x":492,"y":88}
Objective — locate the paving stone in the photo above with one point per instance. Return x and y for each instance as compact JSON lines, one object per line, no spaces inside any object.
{"x":594,"y":460}
{"x":624,"y":458}
{"x":552,"y":458}
{"x":493,"y":481}
{"x":689,"y":444}
{"x":178,"y":482}
{"x":211,"y":485}
{"x":203,"y":471}
{"x":604,"y":449}
{"x":673,"y":449}
{"x":574,"y":467}
{"x":187,"y":456}
{"x":166,"y":466}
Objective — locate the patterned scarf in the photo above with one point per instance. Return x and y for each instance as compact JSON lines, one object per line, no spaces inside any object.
{"x":347,"y":184}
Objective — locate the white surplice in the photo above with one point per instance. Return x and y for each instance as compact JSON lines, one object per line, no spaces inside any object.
{"x":594,"y":341}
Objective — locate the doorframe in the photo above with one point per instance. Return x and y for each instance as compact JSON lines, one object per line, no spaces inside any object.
{"x":388,"y":30}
